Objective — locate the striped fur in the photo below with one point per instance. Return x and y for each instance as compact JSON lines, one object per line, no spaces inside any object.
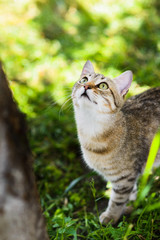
{"x":115,"y":136}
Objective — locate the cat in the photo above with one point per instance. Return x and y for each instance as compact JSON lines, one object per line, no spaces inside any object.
{"x":115,"y":135}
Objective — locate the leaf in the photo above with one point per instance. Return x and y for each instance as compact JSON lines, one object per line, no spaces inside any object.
{"x":75,"y":181}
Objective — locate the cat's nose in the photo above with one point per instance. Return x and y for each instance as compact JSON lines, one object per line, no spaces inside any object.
{"x":86,"y":87}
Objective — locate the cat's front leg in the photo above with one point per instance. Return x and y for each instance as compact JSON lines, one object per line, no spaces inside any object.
{"x":117,"y":203}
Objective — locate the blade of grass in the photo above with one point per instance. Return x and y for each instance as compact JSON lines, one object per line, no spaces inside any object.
{"x":151,"y":158}
{"x":75,"y":181}
{"x":129,"y":229}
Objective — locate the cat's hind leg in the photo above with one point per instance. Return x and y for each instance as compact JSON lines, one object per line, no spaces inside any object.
{"x":133,"y":194}
{"x":120,"y":195}
{"x":132,"y":197}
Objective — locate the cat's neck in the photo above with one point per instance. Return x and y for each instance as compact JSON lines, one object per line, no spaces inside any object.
{"x":93,"y":123}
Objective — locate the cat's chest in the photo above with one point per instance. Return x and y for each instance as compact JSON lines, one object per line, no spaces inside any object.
{"x":100,"y":138}
{"x":98,"y":151}
{"x":95,"y":155}
{"x":101,"y":158}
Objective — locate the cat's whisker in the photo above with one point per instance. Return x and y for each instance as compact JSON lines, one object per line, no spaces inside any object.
{"x":70,"y":98}
{"x":53,"y":102}
{"x":69,"y":107}
{"x":64,"y":104}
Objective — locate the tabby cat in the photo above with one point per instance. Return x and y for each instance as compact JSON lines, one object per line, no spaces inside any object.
{"x":115,"y":135}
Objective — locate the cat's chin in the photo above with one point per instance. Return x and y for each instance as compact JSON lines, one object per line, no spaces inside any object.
{"x":86,"y":99}
{"x":85,"y":104}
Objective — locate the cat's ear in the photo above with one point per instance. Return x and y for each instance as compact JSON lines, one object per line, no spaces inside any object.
{"x":87,"y":69}
{"x":123,"y":82}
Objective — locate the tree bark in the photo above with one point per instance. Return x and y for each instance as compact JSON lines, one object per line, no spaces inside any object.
{"x":20,"y":211}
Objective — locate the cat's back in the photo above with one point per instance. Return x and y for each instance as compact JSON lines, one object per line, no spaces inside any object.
{"x":142,"y":114}
{"x":143,"y":106}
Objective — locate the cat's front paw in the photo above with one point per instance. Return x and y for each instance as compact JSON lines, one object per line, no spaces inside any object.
{"x":105,"y":218}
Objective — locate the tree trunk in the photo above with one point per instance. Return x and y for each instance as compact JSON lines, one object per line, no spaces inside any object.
{"x":20,"y":211}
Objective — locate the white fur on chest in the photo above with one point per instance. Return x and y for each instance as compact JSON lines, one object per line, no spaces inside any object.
{"x":90,"y":125}
{"x":91,"y":122}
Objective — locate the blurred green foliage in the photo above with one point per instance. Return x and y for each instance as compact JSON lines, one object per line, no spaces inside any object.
{"x":43,"y":46}
{"x":48,"y":41}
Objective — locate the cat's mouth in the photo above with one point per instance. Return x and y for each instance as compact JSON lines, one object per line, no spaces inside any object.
{"x":85,"y":95}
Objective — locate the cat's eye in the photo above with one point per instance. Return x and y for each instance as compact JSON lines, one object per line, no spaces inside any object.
{"x":84,"y":80}
{"x":103,"y":86}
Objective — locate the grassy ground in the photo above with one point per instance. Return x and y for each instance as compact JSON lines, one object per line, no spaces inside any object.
{"x":43,"y":45}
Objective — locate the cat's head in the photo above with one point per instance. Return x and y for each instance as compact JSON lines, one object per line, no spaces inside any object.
{"x":99,"y":92}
